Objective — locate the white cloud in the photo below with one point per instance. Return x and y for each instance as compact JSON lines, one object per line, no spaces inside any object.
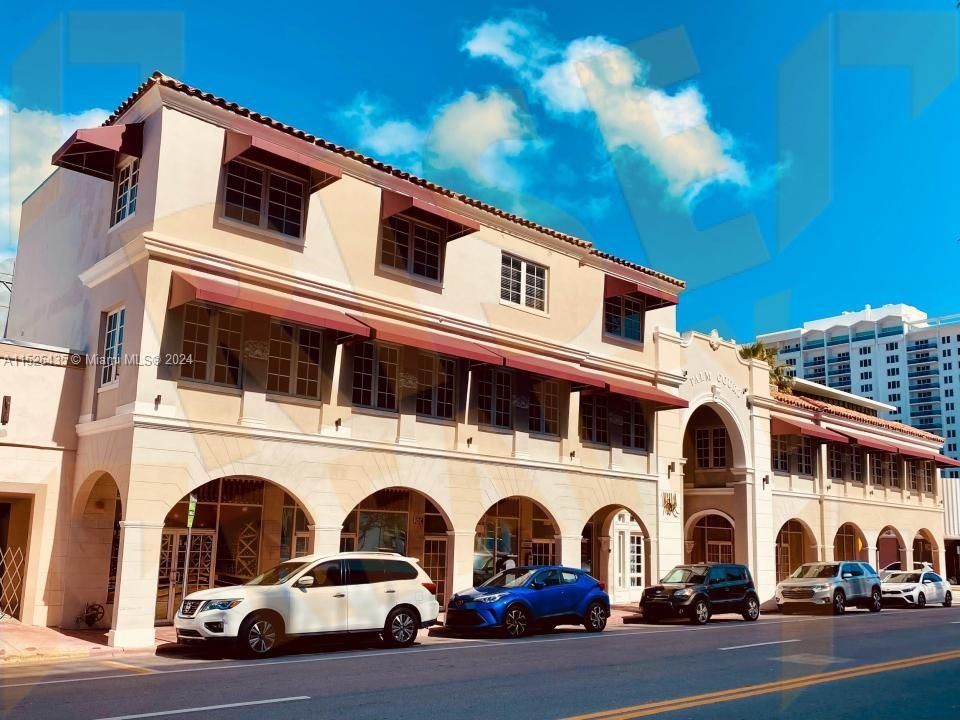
{"x":395,"y":141}
{"x":672,"y":131}
{"x":27,"y":140}
{"x":479,"y":134}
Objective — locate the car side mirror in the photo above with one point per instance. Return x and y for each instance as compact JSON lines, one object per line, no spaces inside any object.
{"x":537,"y":585}
{"x":846,"y":576}
{"x":927,"y":581}
{"x":305,"y":581}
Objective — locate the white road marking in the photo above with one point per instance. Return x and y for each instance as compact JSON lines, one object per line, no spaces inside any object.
{"x":362,"y":654}
{"x":753,"y":645}
{"x":184,"y":711}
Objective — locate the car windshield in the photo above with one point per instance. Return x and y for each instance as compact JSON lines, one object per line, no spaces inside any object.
{"x":514,"y":577}
{"x":279,"y":574}
{"x":906,"y":577}
{"x":816,"y":570}
{"x":695,"y":574}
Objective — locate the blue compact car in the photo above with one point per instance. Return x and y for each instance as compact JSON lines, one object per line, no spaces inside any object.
{"x":518,"y":599}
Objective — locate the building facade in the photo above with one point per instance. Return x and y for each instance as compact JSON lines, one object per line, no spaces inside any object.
{"x":278,"y":346}
{"x":897,"y":355}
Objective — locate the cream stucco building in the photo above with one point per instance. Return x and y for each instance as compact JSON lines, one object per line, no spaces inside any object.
{"x":307,"y":350}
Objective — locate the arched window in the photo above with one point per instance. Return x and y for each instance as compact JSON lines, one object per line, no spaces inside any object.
{"x":712,"y":540}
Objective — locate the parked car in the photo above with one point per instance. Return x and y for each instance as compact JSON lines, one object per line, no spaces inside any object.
{"x":834,"y":585}
{"x":916,"y":589}
{"x":518,"y":599}
{"x":342,"y":593}
{"x":697,"y":592}
{"x":898,"y":567}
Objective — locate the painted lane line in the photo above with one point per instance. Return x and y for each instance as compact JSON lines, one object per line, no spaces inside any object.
{"x":363,"y":654}
{"x":753,"y":645}
{"x":207,"y":708}
{"x":128,"y":667}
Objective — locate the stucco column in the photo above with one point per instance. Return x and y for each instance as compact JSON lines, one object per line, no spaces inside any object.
{"x":462,"y":559}
{"x":326,"y":538}
{"x":338,"y":387}
{"x":135,"y":598}
{"x":826,"y":553}
{"x":873,"y":556}
{"x":908,"y":556}
{"x":570,"y":546}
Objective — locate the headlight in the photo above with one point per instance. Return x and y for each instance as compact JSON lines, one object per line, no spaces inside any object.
{"x":219,"y":604}
{"x":490,"y":598}
{"x":910,"y":589}
{"x":682,"y":593}
{"x":820,"y":588}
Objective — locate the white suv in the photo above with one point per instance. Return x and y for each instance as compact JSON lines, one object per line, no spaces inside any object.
{"x":342,"y":593}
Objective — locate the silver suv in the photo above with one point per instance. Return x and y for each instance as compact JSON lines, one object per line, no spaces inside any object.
{"x":836,"y":585}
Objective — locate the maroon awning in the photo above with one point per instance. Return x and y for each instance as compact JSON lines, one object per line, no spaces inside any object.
{"x":94,"y":151}
{"x":551,"y":368}
{"x":187,"y":287}
{"x":254,"y":147}
{"x":643,"y":391}
{"x":869,"y":442}
{"x":614,"y":286}
{"x":932,"y":455}
{"x":797,"y":426}
{"x":393,"y":332}
{"x":457,"y":225}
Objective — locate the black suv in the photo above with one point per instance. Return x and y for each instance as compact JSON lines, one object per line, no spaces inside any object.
{"x":698,"y":591}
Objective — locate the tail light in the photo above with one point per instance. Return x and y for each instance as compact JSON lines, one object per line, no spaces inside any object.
{"x":603,"y":586}
{"x":431,"y":588}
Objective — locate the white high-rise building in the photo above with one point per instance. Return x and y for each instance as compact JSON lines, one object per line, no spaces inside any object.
{"x":894,"y":354}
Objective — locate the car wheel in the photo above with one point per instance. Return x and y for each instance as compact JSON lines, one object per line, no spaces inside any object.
{"x":921,"y":601}
{"x":259,"y":635}
{"x":751,"y":611}
{"x":839,"y":603}
{"x":516,"y":622}
{"x":701,"y":613}
{"x":401,"y":628}
{"x":948,"y":599}
{"x":876,"y":601}
{"x":595,"y":619}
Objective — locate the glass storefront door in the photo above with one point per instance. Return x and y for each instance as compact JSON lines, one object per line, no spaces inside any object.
{"x":176,"y":564}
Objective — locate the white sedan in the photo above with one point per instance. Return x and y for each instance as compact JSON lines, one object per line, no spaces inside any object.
{"x":916,"y":589}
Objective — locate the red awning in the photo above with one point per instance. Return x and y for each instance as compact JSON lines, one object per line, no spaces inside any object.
{"x":457,"y":225}
{"x":551,"y":368}
{"x":614,"y":286}
{"x":431,"y":340}
{"x":869,"y":442}
{"x":239,"y":144}
{"x":932,"y":455}
{"x":187,"y":286}
{"x":798,"y":426}
{"x":94,"y":151}
{"x":646,"y":392}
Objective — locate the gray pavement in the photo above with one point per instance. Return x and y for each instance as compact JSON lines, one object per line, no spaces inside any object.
{"x":802,"y":665}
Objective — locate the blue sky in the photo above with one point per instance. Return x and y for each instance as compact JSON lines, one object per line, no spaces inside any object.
{"x":790,"y":160}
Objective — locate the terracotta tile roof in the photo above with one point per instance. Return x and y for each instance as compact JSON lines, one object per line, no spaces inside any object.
{"x":826,"y":408}
{"x":160,"y":79}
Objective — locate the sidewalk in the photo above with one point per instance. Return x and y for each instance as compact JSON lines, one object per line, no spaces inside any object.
{"x":28,"y":644}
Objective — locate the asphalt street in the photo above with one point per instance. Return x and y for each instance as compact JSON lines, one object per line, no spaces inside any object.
{"x":888,"y":665}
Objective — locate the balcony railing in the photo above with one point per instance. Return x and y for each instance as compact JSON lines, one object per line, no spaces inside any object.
{"x":890,"y":331}
{"x":928,"y":345}
{"x":813,"y":344}
{"x":925,"y":373}
{"x":839,"y":340}
{"x":924,"y":386}
{"x":921,"y":360}
{"x":870,"y":335}
{"x":814,"y":362}
{"x":789,"y":349}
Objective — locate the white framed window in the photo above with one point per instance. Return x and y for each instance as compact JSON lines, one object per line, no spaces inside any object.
{"x":711,"y":447}
{"x":413,"y":246}
{"x":263,"y":197}
{"x":634,"y":425}
{"x":523,"y":282}
{"x":835,"y":462}
{"x":544,"y":415}
{"x":805,"y":457}
{"x":494,"y":398}
{"x":594,"y":427}
{"x":623,"y":317}
{"x":293,"y":367}
{"x":781,"y":454}
{"x":212,"y":340}
{"x":635,"y":566}
{"x":436,"y":385}
{"x":856,"y":464}
{"x":375,"y":374}
{"x":112,"y":346}
{"x":125,"y":191}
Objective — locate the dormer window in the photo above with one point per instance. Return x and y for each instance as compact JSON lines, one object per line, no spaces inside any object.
{"x":265,"y":198}
{"x":125,"y":191}
{"x":623,"y":316}
{"x":413,"y":246}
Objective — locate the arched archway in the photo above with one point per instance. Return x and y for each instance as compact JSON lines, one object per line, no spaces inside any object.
{"x":796,"y":545}
{"x":226,"y":532}
{"x":399,"y":519}
{"x":925,"y":549}
{"x":710,"y":537}
{"x":616,"y":550}
{"x":514,"y":531}
{"x":890,"y":548}
{"x":849,"y":543}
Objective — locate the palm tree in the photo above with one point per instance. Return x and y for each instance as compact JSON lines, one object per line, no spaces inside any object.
{"x":778,"y":372}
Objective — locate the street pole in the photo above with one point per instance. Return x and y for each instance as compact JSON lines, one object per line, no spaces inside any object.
{"x":191,"y":511}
